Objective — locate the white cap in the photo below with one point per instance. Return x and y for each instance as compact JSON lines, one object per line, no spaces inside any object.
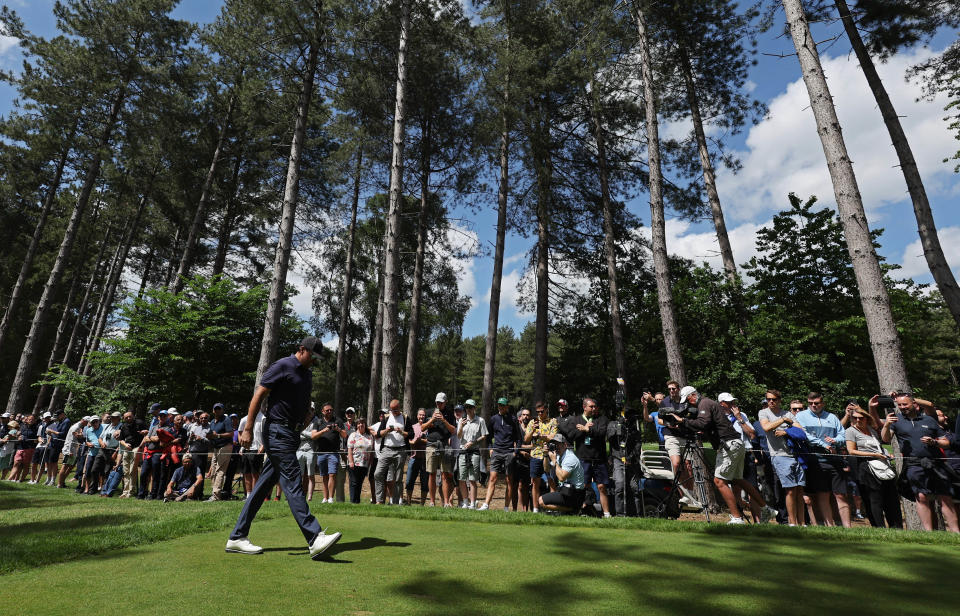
{"x":5,"y":415}
{"x":47,"y":414}
{"x":686,"y":391}
{"x":172,"y":411}
{"x":441,"y":397}
{"x":726,"y":397}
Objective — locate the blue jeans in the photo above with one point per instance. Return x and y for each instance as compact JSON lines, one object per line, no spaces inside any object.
{"x":113,"y":480}
{"x":150,"y":473}
{"x":416,"y":467}
{"x":280,"y":442}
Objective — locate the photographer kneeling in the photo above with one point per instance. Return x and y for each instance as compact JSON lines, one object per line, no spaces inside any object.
{"x":569,"y":473}
{"x":730,"y":453}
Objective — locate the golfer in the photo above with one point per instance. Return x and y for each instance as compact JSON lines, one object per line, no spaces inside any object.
{"x":287,"y":382}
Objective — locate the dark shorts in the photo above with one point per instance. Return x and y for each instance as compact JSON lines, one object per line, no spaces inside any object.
{"x":597,"y":472}
{"x":565,"y":497}
{"x":826,"y":476}
{"x":523,"y":469}
{"x":536,"y":468}
{"x":502,"y":462}
{"x":251,"y":463}
{"x":926,"y":481}
{"x":38,"y":454}
{"x":53,"y":453}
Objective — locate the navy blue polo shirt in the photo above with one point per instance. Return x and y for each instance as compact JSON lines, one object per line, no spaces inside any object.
{"x":290,"y":384}
{"x":182,"y":478}
{"x":505,"y":431}
{"x":221,"y":426}
{"x":910,"y":431}
{"x":61,"y":428}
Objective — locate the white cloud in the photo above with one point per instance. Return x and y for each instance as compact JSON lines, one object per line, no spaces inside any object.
{"x":510,"y":293}
{"x":7,"y":43}
{"x":700,"y":244}
{"x":915,"y":265}
{"x":464,"y":243}
{"x":784,"y":153}
{"x":332,"y":343}
{"x":303,"y":301}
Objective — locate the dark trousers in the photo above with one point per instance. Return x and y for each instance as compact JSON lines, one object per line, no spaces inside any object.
{"x":881,"y":501}
{"x":151,"y":472}
{"x":357,"y":476}
{"x":280,"y":443}
{"x":625,"y":481}
{"x":417,"y":468}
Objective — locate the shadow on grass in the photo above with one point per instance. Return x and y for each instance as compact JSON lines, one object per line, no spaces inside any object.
{"x":719,"y":575}
{"x":14,"y":497}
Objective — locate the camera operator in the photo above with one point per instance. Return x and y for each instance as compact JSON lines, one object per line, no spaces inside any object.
{"x":919,"y":435}
{"x":570,"y":476}
{"x":588,"y":433}
{"x":624,"y":435}
{"x":674,"y":441}
{"x":712,"y":419}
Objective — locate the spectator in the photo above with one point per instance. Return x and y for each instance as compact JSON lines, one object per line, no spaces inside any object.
{"x":505,"y":433}
{"x":328,"y":445}
{"x":307,"y":452}
{"x":234,"y":459}
{"x":200,"y":445}
{"x":674,"y":442}
{"x":452,"y":454}
{"x":521,"y":492}
{"x":587,"y":434}
{"x":359,"y":454}
{"x":472,"y":432}
{"x":877,"y":480}
{"x":36,"y":465}
{"x":108,"y":457}
{"x":650,"y":417}
{"x":92,"y":435}
{"x":439,"y":427}
{"x":129,"y":438}
{"x":374,"y":462}
{"x":185,"y":483}
{"x":787,"y":467}
{"x":25,"y":448}
{"x":741,"y":423}
{"x":252,"y":456}
{"x":570,"y":476}
{"x":825,"y":474}
{"x":416,"y":464}
{"x":8,"y":444}
{"x":919,"y":435}
{"x":151,"y":465}
{"x":56,"y":435}
{"x":71,"y":450}
{"x":349,"y":425}
{"x":563,"y":409}
{"x":391,"y":433}
{"x":221,"y":442}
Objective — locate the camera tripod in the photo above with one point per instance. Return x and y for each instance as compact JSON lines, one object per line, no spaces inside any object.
{"x":693,"y":452}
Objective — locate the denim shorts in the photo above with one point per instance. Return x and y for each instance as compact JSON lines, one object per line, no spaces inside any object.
{"x":327,"y":463}
{"x":789,"y":471}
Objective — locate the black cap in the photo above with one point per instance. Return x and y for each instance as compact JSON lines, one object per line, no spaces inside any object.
{"x":154,"y":407}
{"x":60,"y":412}
{"x":312,"y":344}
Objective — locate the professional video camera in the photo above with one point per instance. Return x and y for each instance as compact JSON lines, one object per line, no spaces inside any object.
{"x":686,"y":411}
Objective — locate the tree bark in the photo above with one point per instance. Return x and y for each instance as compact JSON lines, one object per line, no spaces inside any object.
{"x":609,"y":244}
{"x":147,"y":265}
{"x":193,"y":237}
{"x":171,"y":263}
{"x":413,"y":328}
{"x":21,"y":379}
{"x":347,"y":287}
{"x":226,"y":224}
{"x":59,"y":341}
{"x":658,"y":233}
{"x":503,"y":192}
{"x":15,"y":295}
{"x":544,"y":189}
{"x":927,"y":228}
{"x":391,"y":273}
{"x":375,"y":356}
{"x":291,"y":191}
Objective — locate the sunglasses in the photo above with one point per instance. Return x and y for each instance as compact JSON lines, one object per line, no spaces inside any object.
{"x":772,"y":399}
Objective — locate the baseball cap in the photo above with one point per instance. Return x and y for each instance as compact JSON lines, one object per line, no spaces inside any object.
{"x":47,"y":414}
{"x":441,"y":397}
{"x":60,"y":412}
{"x":94,"y":418}
{"x":154,"y":407}
{"x":5,"y":415}
{"x":116,"y":414}
{"x":384,"y":411}
{"x":458,"y":408}
{"x":503,"y":401}
{"x":562,"y":402}
{"x":350,"y":410}
{"x":188,"y":414}
{"x":726,"y":397}
{"x":686,"y":391}
{"x":187,"y":456}
{"x":470,"y":402}
{"x":312,"y":344}
{"x":218,"y":405}
{"x":162,"y":412}
{"x":558,"y":438}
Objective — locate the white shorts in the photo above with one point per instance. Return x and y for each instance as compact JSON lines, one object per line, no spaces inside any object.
{"x":308,"y":462}
{"x":674,"y":445}
{"x":730,"y":458}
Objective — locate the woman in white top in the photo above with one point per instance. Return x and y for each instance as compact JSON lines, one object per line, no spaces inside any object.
{"x":359,"y":453}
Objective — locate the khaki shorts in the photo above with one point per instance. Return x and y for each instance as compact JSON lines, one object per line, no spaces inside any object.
{"x":730,"y":460}
{"x":674,"y":445}
{"x":437,"y":461}
{"x":69,"y":459}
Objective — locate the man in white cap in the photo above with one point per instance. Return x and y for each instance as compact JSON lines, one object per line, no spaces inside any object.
{"x":438,"y":429}
{"x":712,"y":419}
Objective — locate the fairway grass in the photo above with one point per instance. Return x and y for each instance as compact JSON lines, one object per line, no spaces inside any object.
{"x":457,"y":563}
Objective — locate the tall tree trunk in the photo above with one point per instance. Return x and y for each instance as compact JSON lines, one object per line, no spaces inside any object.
{"x":15,"y":295}
{"x":658,"y":233}
{"x":56,"y":398}
{"x":609,"y":244}
{"x":375,"y":355}
{"x":544,"y":197}
{"x":347,"y":286}
{"x":172,"y":262}
{"x":22,"y":377}
{"x":929,"y":239}
{"x":884,"y":340}
{"x":503,"y":191}
{"x":147,"y":265}
{"x":291,"y":191}
{"x":59,"y":341}
{"x":193,"y":237}
{"x":114,"y":280}
{"x":226,"y":224}
{"x":709,"y":177}
{"x":391,"y":272}
{"x":413,"y":329}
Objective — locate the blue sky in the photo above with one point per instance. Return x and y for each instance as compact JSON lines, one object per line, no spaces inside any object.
{"x":780,"y":154}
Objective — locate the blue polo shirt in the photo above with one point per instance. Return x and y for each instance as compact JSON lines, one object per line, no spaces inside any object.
{"x":182,"y":478}
{"x":290,"y":384}
{"x":505,"y":431}
{"x":910,"y":432}
{"x":221,"y":426}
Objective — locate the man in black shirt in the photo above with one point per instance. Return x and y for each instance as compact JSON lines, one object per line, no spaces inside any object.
{"x":221,"y":442}
{"x":285,"y":386}
{"x":331,"y":432}
{"x":505,"y":434}
{"x":588,"y":435}
{"x":129,"y":437}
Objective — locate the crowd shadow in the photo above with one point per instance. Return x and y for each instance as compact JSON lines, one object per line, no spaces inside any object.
{"x":14,"y":497}
{"x":794,"y":576}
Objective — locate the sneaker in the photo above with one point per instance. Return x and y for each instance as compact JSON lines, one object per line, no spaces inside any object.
{"x":767,"y":513}
{"x":464,"y":505}
{"x":858,"y":515}
{"x":483,"y":507}
{"x":606,"y":514}
{"x":31,"y":482}
{"x":402,"y":502}
{"x":243,"y":546}
{"x":213,"y":498}
{"x":737,"y":521}
{"x":535,"y":510}
{"x":471,"y":505}
{"x":321,"y":543}
{"x":506,"y":509}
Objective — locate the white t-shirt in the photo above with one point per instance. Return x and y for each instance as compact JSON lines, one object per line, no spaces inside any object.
{"x":392,"y":439}
{"x":257,"y":441}
{"x":70,"y":444}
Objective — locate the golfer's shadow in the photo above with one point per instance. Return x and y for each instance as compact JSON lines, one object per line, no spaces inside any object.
{"x":367,"y":543}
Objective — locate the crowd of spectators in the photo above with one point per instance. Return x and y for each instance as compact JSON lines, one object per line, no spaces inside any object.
{"x":797,"y":463}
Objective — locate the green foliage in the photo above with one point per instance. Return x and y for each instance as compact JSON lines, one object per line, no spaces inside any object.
{"x":189,"y":349}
